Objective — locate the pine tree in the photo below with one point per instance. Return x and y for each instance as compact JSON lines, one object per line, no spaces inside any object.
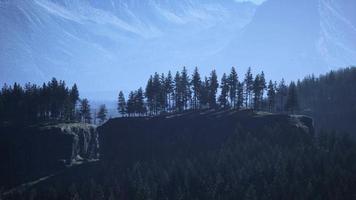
{"x":178,"y":99}
{"x":149,"y":94}
{"x":74,"y":98}
{"x":169,"y":89}
{"x":85,"y":112}
{"x":139,"y":102}
{"x":213,"y":88}
{"x":271,"y":95}
{"x":224,"y":86}
{"x":262,"y":88}
{"x":233,"y":84}
{"x":196,"y":84}
{"x":102,"y":114}
{"x":292,"y":104}
{"x":131,"y":104}
{"x":185,"y":88}
{"x":282,"y":92}
{"x":240,"y":95}
{"x":121,"y":105}
{"x":256,"y":92}
{"x":204,"y":100}
{"x":249,"y":87}
{"x":157,"y":95}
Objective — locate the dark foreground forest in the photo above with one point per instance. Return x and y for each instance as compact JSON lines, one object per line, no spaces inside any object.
{"x":189,"y":137}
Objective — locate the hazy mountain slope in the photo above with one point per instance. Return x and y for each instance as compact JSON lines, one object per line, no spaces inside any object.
{"x":291,"y":38}
{"x":86,"y":40}
{"x":115,"y":44}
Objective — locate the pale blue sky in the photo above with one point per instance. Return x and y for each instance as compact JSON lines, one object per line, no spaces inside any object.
{"x":258,"y":2}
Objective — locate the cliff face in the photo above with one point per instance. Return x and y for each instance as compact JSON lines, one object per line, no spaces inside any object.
{"x":128,"y":140}
{"x":36,"y":151}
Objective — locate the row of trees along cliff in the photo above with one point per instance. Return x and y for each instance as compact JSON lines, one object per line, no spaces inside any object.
{"x":319,"y":97}
{"x":165,"y":93}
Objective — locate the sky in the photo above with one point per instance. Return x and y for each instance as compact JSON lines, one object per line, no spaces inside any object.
{"x":257,"y":2}
{"x":111,"y":45}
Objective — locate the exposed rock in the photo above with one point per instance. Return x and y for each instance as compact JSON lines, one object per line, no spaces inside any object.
{"x":134,"y":139}
{"x":31,"y":152}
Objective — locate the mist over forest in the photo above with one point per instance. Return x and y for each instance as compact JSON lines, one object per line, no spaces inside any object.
{"x":188,"y":99}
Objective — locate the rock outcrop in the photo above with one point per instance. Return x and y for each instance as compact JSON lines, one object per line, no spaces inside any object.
{"x":30,"y":152}
{"x":128,"y":140}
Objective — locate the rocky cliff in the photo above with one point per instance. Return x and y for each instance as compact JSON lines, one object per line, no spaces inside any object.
{"x":191,"y":133}
{"x":30,"y":152}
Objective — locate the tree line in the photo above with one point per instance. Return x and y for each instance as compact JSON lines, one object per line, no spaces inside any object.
{"x":165,"y":93}
{"x":53,"y":101}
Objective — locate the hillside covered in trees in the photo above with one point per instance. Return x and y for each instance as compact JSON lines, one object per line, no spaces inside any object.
{"x":209,"y":154}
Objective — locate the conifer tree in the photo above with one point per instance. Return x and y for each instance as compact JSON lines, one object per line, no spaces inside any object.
{"x":178,"y":102}
{"x":249,"y":87}
{"x":204,"y":100}
{"x":282,"y":92}
{"x":196,"y":86}
{"x":186,"y":91}
{"x":169,"y":90}
{"x":224,"y":86}
{"x":121,"y":106}
{"x":85,"y":112}
{"x":131,"y":104}
{"x":233,"y":84}
{"x":102,"y":114}
{"x":213,"y":88}
{"x":139,"y":102}
{"x":240,"y":95}
{"x":271,"y":96}
{"x":149,"y":94}
{"x":74,"y":98}
{"x":292,"y":104}
{"x":256,"y":92}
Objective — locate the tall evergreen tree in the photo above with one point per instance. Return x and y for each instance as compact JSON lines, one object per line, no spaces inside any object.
{"x":256,"y":92}
{"x":139,"y":102}
{"x":271,"y":96}
{"x":178,"y":99}
{"x":131,"y":104}
{"x":248,"y":87}
{"x":213,"y":88}
{"x":233,"y":84}
{"x":74,"y":98}
{"x":186,"y":91}
{"x":224,"y":86}
{"x":240,"y":95}
{"x":102,"y":114}
{"x":149,"y":94}
{"x":169,"y":89}
{"x":204,"y":100}
{"x":196,"y":86}
{"x":85,"y":112}
{"x":121,"y":105}
{"x":282,"y":92}
{"x":292,"y":104}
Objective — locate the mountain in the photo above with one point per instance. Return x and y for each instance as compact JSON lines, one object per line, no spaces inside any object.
{"x":115,"y":44}
{"x":290,"y":38}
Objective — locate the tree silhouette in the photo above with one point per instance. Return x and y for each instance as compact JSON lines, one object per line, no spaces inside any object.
{"x":102,"y":114}
{"x":292,"y":104}
{"x":271,"y":95}
{"x":85,"y":112}
{"x":249,"y":87}
{"x":196,"y":87}
{"x":213,"y":88}
{"x":233,"y":84}
{"x":224,"y":86}
{"x":121,"y":105}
